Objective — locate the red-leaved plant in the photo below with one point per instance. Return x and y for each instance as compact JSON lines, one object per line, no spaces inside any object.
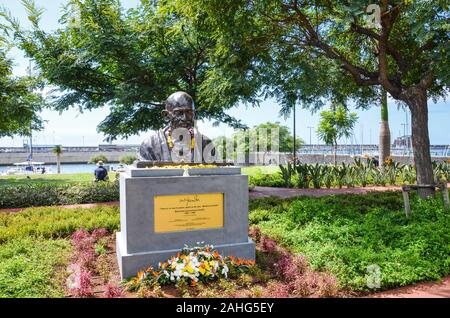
{"x":113,"y":291}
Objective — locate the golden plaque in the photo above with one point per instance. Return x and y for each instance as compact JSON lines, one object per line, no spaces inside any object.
{"x":188,"y":212}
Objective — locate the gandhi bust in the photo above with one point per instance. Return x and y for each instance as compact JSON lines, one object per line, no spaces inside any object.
{"x":179,"y":140}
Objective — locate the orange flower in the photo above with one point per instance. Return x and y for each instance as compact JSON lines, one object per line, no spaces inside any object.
{"x":193,"y":283}
{"x":140,"y":275}
{"x":216,"y":254}
{"x":232,"y":258}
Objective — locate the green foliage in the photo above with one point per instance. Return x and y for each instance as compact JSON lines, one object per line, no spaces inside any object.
{"x":97,"y":158}
{"x":302,"y":170}
{"x":316,"y":173}
{"x":131,"y":60}
{"x":27,"y":267}
{"x":20,"y":104}
{"x":441,"y":171}
{"x":335,"y":124}
{"x":262,"y":137}
{"x":48,"y":179}
{"x":57,"y":150}
{"x":27,"y":195}
{"x":345,"y":234}
{"x":266,"y":180}
{"x":362,"y":172}
{"x":34,"y":248}
{"x":127,"y":159}
{"x":286,"y":173}
{"x":55,"y":223}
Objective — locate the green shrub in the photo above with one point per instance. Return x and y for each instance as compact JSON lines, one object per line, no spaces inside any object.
{"x":266,"y":180}
{"x":28,"y":195}
{"x":127,"y":159}
{"x":345,"y":234}
{"x":27,"y":267}
{"x":97,"y":158}
{"x":54,"y":222}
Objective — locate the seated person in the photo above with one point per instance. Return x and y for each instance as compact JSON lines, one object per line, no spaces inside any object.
{"x":101,"y":174}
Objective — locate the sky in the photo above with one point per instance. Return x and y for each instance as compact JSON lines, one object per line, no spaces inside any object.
{"x":72,"y":128}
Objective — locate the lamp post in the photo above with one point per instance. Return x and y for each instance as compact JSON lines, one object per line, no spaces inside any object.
{"x":293,"y":151}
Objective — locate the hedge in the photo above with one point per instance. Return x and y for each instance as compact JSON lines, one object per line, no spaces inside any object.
{"x":31,"y":195}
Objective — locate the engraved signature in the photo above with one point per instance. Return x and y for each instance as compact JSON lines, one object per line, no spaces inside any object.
{"x":190,"y":200}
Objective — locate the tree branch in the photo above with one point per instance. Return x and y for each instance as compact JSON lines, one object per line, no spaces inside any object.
{"x":390,"y":49}
{"x":387,"y":20}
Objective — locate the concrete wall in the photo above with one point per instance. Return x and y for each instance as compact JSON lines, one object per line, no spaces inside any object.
{"x":114,"y":156}
{"x":66,"y":157}
{"x":329,"y":159}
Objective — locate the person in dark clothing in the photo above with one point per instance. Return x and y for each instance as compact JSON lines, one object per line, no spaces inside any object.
{"x":101,"y":174}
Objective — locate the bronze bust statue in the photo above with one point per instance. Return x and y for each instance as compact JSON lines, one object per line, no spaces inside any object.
{"x":172,"y":143}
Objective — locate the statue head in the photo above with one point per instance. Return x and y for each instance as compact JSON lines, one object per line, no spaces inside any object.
{"x":180,"y":110}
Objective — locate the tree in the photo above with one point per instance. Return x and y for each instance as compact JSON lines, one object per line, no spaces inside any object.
{"x":130,"y":61}
{"x":311,"y":51}
{"x":128,"y":159}
{"x":335,"y":124}
{"x":19,"y":103}
{"x":385,"y":134}
{"x":262,"y":136}
{"x":97,"y":158}
{"x":57,"y":150}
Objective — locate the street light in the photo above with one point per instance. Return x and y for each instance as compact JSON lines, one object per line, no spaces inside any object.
{"x":310,"y":141}
{"x":294,"y":152}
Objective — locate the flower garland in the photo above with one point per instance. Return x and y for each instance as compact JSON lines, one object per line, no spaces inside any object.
{"x":170,"y":140}
{"x":191,"y":266}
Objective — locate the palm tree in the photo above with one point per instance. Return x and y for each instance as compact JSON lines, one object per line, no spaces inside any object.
{"x":385,"y":134}
{"x":58,"y":151}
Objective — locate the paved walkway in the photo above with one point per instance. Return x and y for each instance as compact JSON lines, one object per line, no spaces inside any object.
{"x":421,"y":290}
{"x":74,"y":206}
{"x":257,"y":192}
{"x":263,"y":192}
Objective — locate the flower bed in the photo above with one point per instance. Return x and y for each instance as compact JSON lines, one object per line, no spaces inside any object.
{"x":192,"y":266}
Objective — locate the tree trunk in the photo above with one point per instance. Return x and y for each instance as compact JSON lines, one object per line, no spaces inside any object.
{"x":58,"y":163}
{"x":334,"y":155}
{"x":385,"y":134}
{"x":416,"y":99}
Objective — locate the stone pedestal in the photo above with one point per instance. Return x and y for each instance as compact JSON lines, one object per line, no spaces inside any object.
{"x":193,"y":214}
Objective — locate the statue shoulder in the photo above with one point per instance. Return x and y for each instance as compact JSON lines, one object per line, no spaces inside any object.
{"x":150,"y":146}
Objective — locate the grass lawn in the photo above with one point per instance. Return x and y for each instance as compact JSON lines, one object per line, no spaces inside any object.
{"x":89,"y":177}
{"x":51,"y":179}
{"x":252,"y":171}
